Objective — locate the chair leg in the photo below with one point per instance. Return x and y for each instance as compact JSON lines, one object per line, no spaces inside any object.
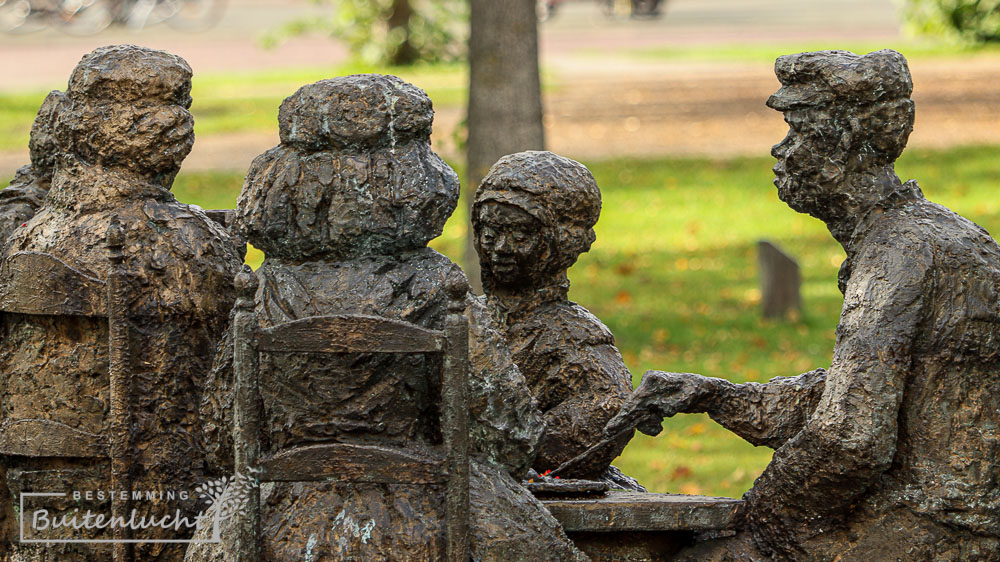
{"x":120,"y":389}
{"x":248,"y":540}
{"x":246,"y":417}
{"x":455,"y":424}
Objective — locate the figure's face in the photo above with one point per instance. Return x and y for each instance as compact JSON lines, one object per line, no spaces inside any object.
{"x":511,"y":244}
{"x":807,"y":167}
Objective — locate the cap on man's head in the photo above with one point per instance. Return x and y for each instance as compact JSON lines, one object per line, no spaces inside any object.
{"x":840,"y":77}
{"x":127,"y":74}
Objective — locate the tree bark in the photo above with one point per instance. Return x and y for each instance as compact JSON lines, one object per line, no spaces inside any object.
{"x":505,"y":95}
{"x":399,"y":21}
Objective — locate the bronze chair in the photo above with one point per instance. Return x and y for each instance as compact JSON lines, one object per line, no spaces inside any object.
{"x":37,"y":283}
{"x":343,"y":462}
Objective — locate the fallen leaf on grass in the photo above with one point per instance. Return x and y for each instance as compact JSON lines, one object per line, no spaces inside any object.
{"x":681,"y":472}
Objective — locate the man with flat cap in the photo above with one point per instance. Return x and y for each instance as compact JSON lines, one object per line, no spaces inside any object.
{"x":891,"y":454}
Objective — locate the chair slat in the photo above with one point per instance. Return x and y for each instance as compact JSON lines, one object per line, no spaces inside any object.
{"x":350,"y":334}
{"x":38,"y":283}
{"x":345,"y":462}
{"x":46,"y":438}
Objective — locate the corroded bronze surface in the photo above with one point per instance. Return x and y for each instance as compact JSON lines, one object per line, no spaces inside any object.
{"x":343,"y":209}
{"x":891,"y":454}
{"x":533,"y":216}
{"x":122,"y":129}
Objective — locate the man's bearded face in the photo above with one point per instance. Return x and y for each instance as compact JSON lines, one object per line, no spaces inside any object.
{"x":811,"y":163}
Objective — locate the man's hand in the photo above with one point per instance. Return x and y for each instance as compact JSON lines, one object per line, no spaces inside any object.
{"x":660,"y":395}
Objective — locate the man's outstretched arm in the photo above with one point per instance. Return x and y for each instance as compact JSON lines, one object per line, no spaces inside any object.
{"x":767,"y":414}
{"x":763,"y":414}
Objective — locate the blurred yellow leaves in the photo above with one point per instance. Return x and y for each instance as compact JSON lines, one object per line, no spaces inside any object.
{"x":254,"y":257}
{"x":691,"y":488}
{"x":696,"y":429}
{"x":661,"y":335}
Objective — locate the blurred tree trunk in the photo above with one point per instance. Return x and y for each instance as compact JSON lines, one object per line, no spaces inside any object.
{"x":399,"y":23}
{"x":505,"y":96}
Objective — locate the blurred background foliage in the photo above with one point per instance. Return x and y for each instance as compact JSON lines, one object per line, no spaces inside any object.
{"x":973,"y":21}
{"x":393,"y":32}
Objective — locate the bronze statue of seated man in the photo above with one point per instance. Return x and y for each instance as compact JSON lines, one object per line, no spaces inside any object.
{"x":891,"y":453}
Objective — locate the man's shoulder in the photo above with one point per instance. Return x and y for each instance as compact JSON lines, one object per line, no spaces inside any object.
{"x":924,"y":225}
{"x":906,"y":243}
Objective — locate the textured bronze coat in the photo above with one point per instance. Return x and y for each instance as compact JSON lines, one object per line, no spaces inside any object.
{"x":898,"y":459}
{"x":574,"y":370}
{"x":20,"y":200}
{"x":889,"y":454}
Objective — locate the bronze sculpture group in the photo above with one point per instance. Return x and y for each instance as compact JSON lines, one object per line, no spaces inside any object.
{"x":890,"y":453}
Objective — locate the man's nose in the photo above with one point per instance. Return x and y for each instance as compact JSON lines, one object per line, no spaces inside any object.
{"x":503,"y":244}
{"x":778,"y":150}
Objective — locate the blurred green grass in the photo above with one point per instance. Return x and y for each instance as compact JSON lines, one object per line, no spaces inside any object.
{"x":230,"y":103}
{"x":238,"y":102}
{"x":673,"y":274}
{"x":248,"y":101}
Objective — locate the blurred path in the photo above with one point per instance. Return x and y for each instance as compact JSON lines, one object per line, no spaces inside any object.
{"x":603,"y":100}
{"x":718,"y":110}
{"x":610,"y":102}
{"x":43,"y":60}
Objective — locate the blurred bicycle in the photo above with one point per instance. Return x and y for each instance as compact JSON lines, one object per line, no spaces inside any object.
{"x":87,"y":17}
{"x":632,"y":8}
{"x":545,"y":9}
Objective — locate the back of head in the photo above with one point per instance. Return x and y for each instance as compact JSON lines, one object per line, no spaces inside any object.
{"x":131,"y":74}
{"x":127,"y":108}
{"x":42,"y":145}
{"x":359,"y":112}
{"x":354,"y":174}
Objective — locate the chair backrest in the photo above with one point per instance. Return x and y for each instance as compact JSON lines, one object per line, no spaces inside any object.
{"x":37,"y":283}
{"x":348,"y":462}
